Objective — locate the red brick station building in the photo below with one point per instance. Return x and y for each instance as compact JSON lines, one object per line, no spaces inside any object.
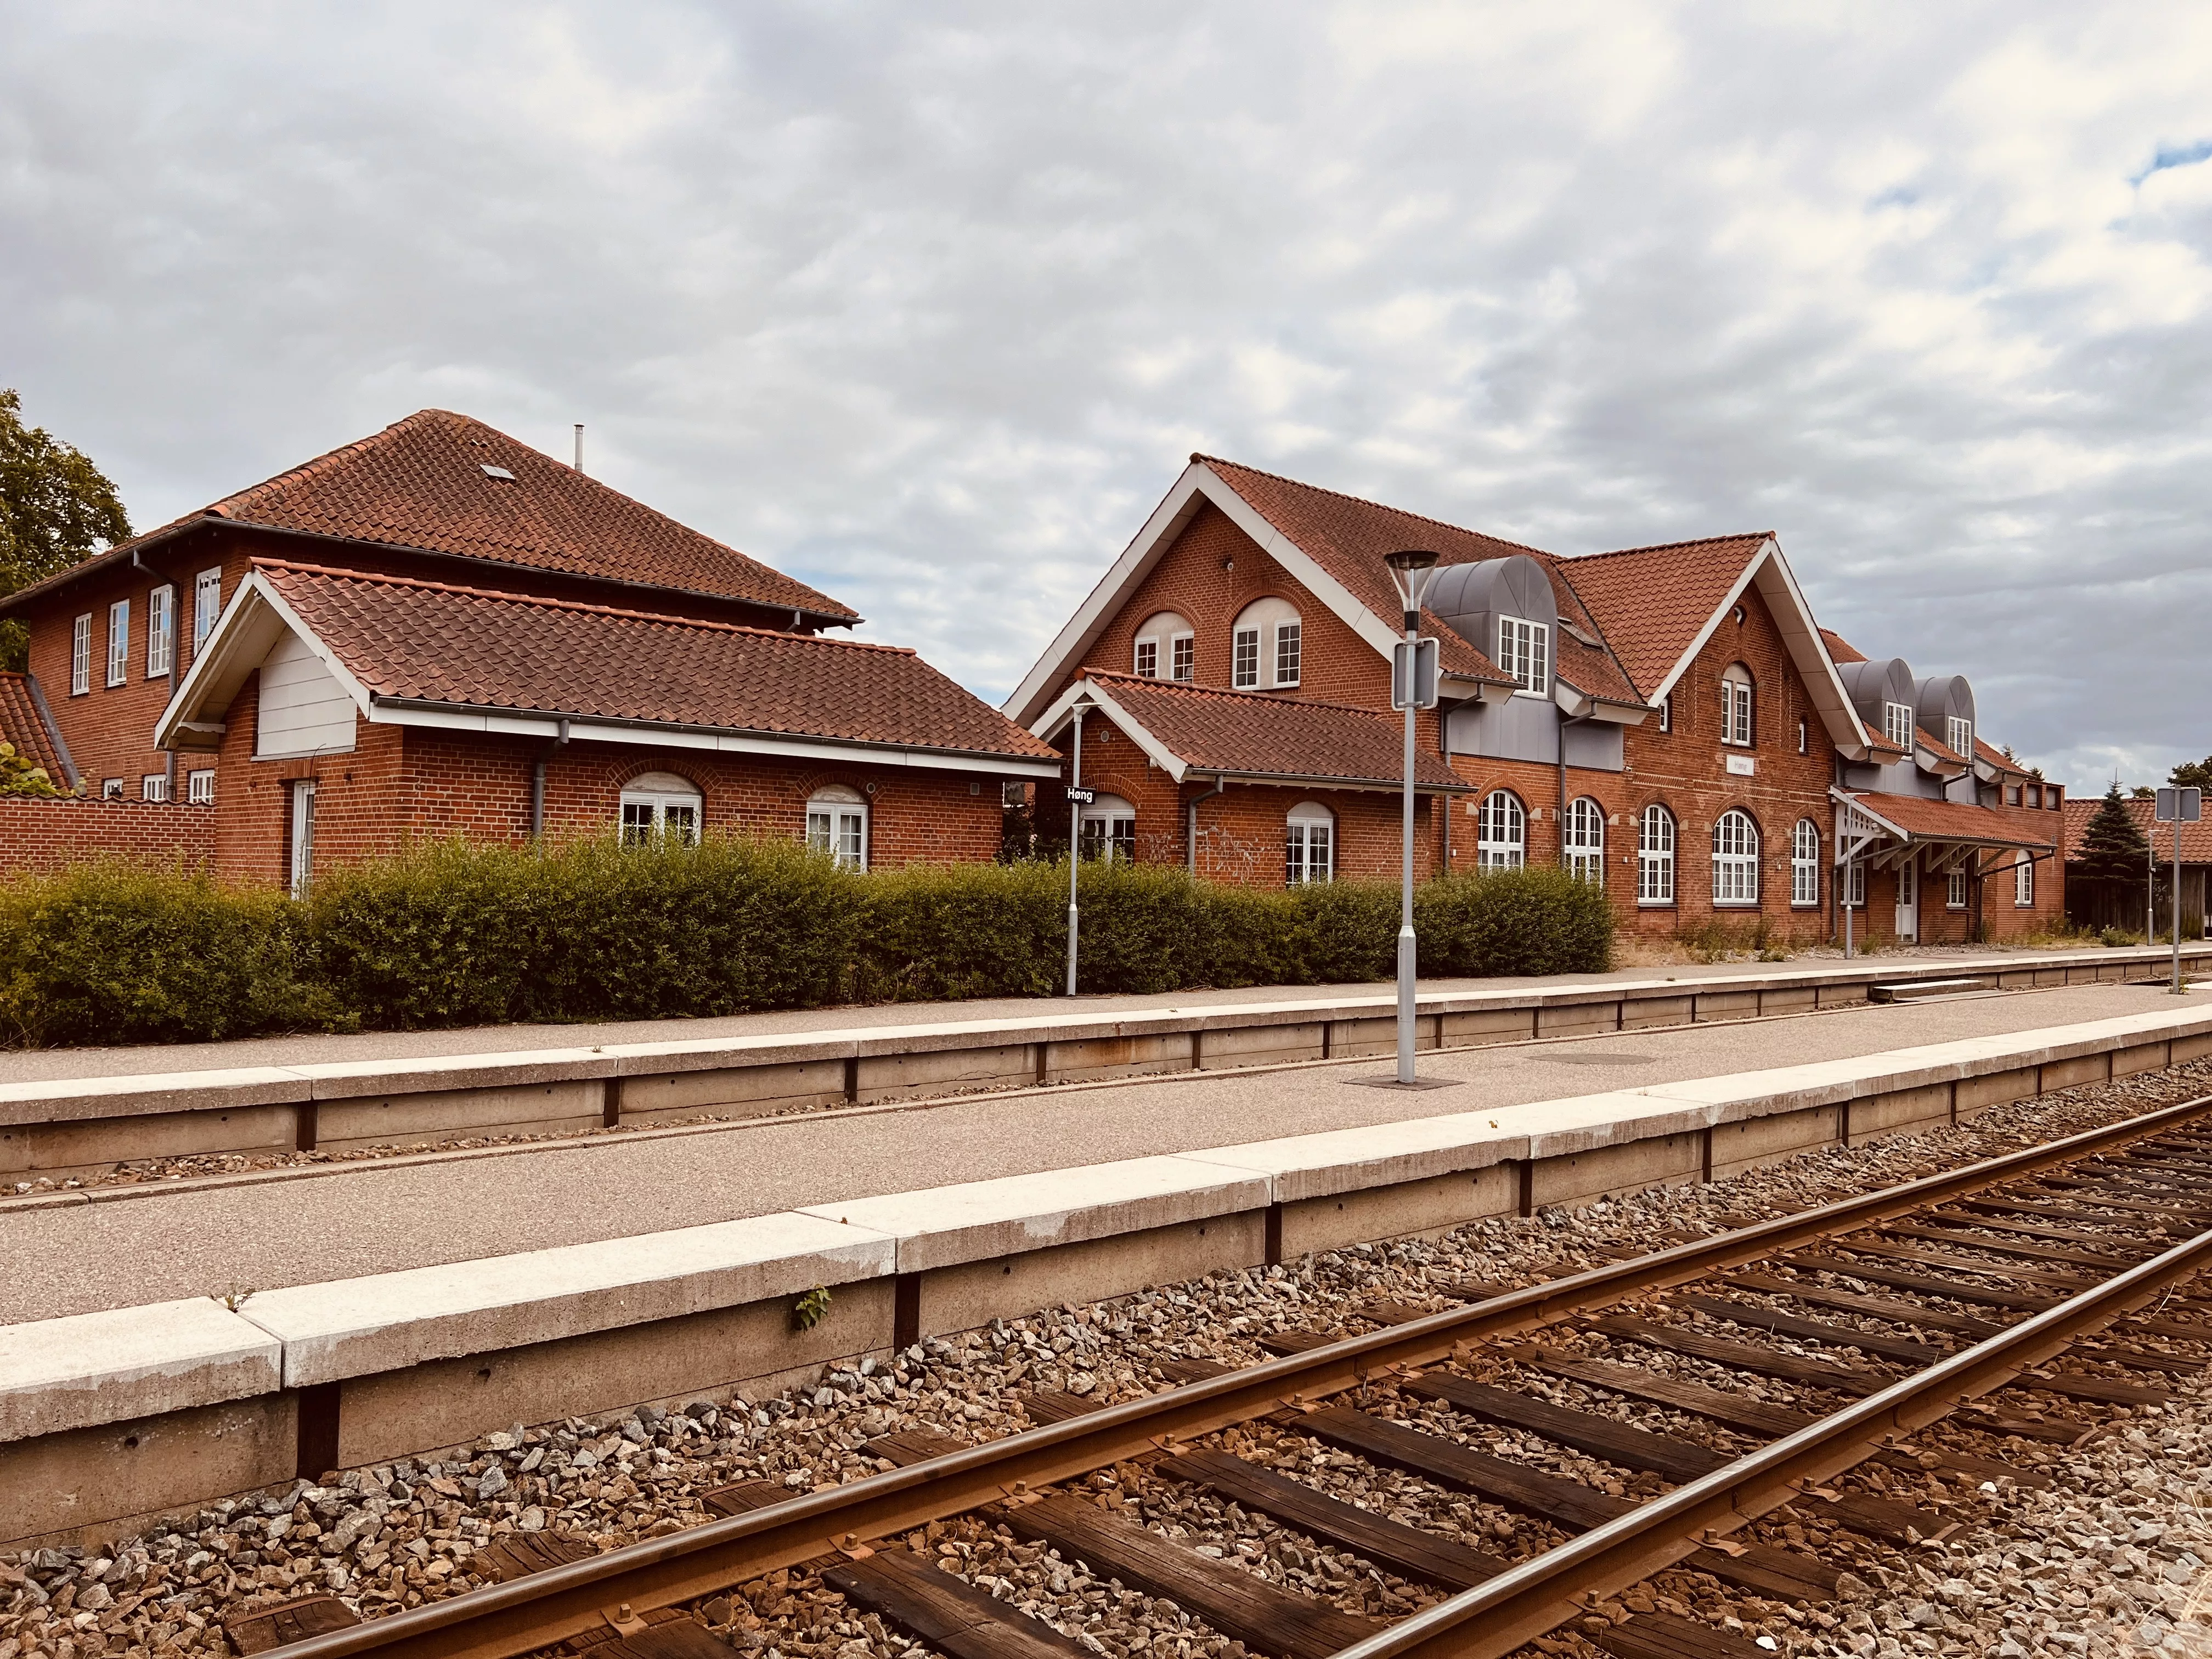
{"x":438,"y":630}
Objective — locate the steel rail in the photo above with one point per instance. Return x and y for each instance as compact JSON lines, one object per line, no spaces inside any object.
{"x":545,"y":1608}
{"x":1539,"y":1594}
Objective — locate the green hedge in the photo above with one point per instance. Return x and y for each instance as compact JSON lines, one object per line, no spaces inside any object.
{"x":466,"y":935}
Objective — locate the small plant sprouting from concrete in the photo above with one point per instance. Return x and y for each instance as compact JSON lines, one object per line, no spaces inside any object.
{"x":812,"y":1309}
{"x":233,"y":1298}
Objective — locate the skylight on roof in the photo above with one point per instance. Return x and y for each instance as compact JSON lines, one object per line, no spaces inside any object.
{"x":491,"y":471}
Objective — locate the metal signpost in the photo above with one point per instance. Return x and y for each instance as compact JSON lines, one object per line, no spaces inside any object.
{"x":2178,"y":807}
{"x":1078,"y":799}
{"x":1413,"y":685}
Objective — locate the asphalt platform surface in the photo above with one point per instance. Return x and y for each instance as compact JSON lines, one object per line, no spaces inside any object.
{"x":224,"y":1233}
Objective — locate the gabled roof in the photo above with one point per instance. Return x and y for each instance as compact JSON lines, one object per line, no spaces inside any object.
{"x":1254,"y":736}
{"x":422,"y":653}
{"x":23,"y":723}
{"x":1920,"y":818}
{"x":420,"y":484}
{"x":2195,"y":838}
{"x":1840,"y":648}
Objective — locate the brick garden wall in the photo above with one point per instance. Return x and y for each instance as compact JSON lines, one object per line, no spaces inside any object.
{"x":37,"y":836}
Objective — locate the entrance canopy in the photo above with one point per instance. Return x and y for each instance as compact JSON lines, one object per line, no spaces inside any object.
{"x":1882,"y":831}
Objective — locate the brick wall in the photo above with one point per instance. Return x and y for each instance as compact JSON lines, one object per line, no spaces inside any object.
{"x":40,"y":836}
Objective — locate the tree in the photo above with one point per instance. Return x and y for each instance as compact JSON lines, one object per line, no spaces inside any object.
{"x":2193,"y":775}
{"x":2112,"y":846}
{"x":2142,"y":792}
{"x":56,"y":509}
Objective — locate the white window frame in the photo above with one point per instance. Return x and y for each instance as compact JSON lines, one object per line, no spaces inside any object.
{"x":1736,"y":727}
{"x":1182,"y":656}
{"x":1805,"y":864}
{"x":1501,"y":836}
{"x":1954,"y":889}
{"x":119,"y":642}
{"x":1666,"y":712}
{"x":1244,"y":658}
{"x":1583,"y":840}
{"x":1144,"y":662}
{"x":110,"y":789}
{"x":1656,"y":835}
{"x":2023,"y":882}
{"x":838,"y":822}
{"x":302,"y":836}
{"x":1108,"y":830}
{"x":199,"y":787}
{"x":1854,"y":884}
{"x":1309,"y":845}
{"x":154,"y":786}
{"x":1804,"y":738}
{"x":1736,"y":860}
{"x":1960,"y":736}
{"x":160,"y":631}
{"x":1897,"y":724}
{"x":80,"y":655}
{"x":1290,"y":651}
{"x":1524,"y":653}
{"x":653,"y":814}
{"x":207,"y":605}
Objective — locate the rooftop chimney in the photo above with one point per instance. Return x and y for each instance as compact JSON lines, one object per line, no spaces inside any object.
{"x":579,"y":446}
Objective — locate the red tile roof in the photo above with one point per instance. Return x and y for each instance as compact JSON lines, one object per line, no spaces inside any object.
{"x":1943,"y":751}
{"x":414,"y":640}
{"x":1840,"y":648}
{"x":420,"y":484}
{"x":1926,"y":819}
{"x":2195,"y":838}
{"x":1652,"y":602}
{"x":1996,"y":757}
{"x":20,"y":725}
{"x":1252,"y":734}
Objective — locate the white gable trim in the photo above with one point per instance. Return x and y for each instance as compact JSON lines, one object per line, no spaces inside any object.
{"x":1199,"y":484}
{"x":1085,"y":694}
{"x":242,"y":638}
{"x":1777,"y":586}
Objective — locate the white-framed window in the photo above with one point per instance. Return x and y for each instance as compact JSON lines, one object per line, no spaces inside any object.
{"x":110,"y":789}
{"x":1805,"y":863}
{"x":1735,"y":706}
{"x":119,"y":642}
{"x":1584,"y":841}
{"x":1955,"y":889}
{"x":1244,"y":658}
{"x":1735,"y":858}
{"x":1147,"y":663}
{"x":1288,"y":648}
{"x":1501,"y":838}
{"x":1163,"y":643}
{"x":1804,"y":738}
{"x":154,"y":786}
{"x":199,"y":787}
{"x":658,"y":805}
{"x":1655,"y":856}
{"x":160,"y":631}
{"x":1309,"y":844}
{"x":1524,"y":652}
{"x":303,"y":836}
{"x":2023,"y":881}
{"x":1666,"y":712}
{"x":80,"y":655}
{"x":1109,"y":830}
{"x":837,"y":824}
{"x":1897,"y":724}
{"x":207,"y":605}
{"x":1182,"y":656}
{"x":1854,"y":884}
{"x":1960,"y":734}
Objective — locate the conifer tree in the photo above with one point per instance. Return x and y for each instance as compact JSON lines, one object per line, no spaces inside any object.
{"x":2112,"y":846}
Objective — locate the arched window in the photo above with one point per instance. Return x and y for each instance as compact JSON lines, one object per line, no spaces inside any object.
{"x":1805,"y":863}
{"x":660,"y":803}
{"x":1309,"y":844}
{"x":1501,"y":839}
{"x":1655,"y":856}
{"x":837,"y":824}
{"x":1166,"y":648}
{"x":1109,"y":830}
{"x":1735,"y":706}
{"x":1735,"y":859}
{"x":1585,"y":841}
{"x":1267,"y":647}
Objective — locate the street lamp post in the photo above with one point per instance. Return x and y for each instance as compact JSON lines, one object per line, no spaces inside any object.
{"x":1411,"y":689}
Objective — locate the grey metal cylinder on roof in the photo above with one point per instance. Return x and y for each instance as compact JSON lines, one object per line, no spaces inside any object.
{"x":1870,"y":684}
{"x":1470,"y":598}
{"x":1939,"y":697}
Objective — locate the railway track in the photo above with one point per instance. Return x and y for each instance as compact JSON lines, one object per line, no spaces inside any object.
{"x":1754,"y":1406}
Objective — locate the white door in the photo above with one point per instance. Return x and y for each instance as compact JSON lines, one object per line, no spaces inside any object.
{"x":303,"y":834}
{"x":1908,"y":898}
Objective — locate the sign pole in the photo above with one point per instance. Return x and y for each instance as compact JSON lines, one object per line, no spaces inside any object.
{"x":1413,"y":687}
{"x":1074,"y":846}
{"x":2177,"y":905}
{"x":2177,"y":807}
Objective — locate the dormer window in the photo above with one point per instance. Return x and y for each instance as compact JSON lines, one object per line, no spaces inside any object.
{"x":1524,"y":652}
{"x":1960,"y":734}
{"x":1897,"y":724}
{"x":1736,"y":707}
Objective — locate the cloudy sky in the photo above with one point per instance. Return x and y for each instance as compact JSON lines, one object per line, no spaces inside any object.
{"x":928,"y":304}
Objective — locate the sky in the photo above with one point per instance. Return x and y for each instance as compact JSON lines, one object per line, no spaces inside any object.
{"x":928,"y":305}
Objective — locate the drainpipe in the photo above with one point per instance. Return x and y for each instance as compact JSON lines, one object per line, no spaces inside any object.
{"x":538,"y":784}
{"x":1190,"y":821}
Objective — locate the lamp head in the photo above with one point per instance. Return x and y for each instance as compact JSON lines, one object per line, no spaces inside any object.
{"x":1411,"y":572}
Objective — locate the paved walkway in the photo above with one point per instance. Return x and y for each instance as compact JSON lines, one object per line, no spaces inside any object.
{"x":350,"y":1219}
{"x":46,"y":1064}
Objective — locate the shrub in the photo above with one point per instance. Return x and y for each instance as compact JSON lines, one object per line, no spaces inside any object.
{"x":1513,"y":921}
{"x":113,"y":952}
